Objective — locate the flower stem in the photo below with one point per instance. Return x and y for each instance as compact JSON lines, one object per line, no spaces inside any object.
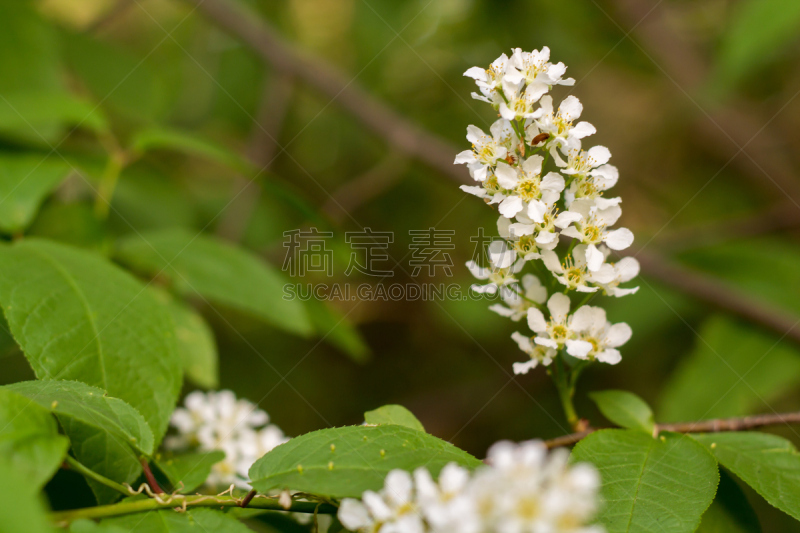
{"x":176,"y":501}
{"x":566,"y":390}
{"x":91,"y":474}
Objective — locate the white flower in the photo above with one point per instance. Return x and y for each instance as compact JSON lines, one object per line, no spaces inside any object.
{"x":520,"y":106}
{"x":559,"y":126}
{"x":538,"y":354}
{"x":597,"y":338}
{"x":534,"y":69}
{"x":574,"y":272}
{"x":486,"y":150}
{"x":504,"y":265}
{"x":533,"y":292}
{"x":623,"y":271}
{"x":392,"y":510}
{"x":445,"y":504}
{"x":552,"y":333}
{"x":488,"y":80}
{"x":580,"y":162}
{"x":585,"y":222}
{"x":525,"y":189}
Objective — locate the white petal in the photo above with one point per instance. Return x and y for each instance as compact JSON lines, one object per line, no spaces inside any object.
{"x":523,"y":368}
{"x":534,"y":91}
{"x":610,"y":356}
{"x":605,"y":203}
{"x":506,"y":175}
{"x":510,"y":206}
{"x":565,"y":218}
{"x":627,"y":269}
{"x":501,"y":310}
{"x":550,"y":260}
{"x":618,"y":334}
{"x":476,"y":73}
{"x":553,"y":181}
{"x":475,"y":134}
{"x":582,"y":319}
{"x":536,"y":210}
{"x":353,"y":514}
{"x":582,"y":129}
{"x":478,"y":271}
{"x":475,"y":190}
{"x":558,"y":304}
{"x":600,"y":155}
{"x":500,"y":255}
{"x":533,"y":165}
{"x":573,"y":232}
{"x":609,"y":215}
{"x":618,"y":293}
{"x":547,"y":104}
{"x":536,"y":320}
{"x":550,"y":343}
{"x":519,"y":230}
{"x":398,"y":486}
{"x":578,"y":348}
{"x":594,"y":258}
{"x":546,"y":237}
{"x":489,"y":288}
{"x":571,"y":108}
{"x":376,"y":506}
{"x":605,"y":177}
{"x":619,"y":239}
{"x":503,"y":225}
{"x":506,"y":113}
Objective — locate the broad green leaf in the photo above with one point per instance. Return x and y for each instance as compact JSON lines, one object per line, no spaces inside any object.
{"x":37,"y":115}
{"x":625,"y":409}
{"x":22,"y":508}
{"x":85,"y":525}
{"x":749,"y":367}
{"x":76,"y":316}
{"x":25,"y":181}
{"x":73,"y":223}
{"x":188,"y":143}
{"x":29,"y":439}
{"x":192,"y":521}
{"x":196,"y":344}
{"x":337,"y":330}
{"x":219,"y":272}
{"x":189,"y":471}
{"x":107,"y":434}
{"x":346,"y":461}
{"x":393,"y":414}
{"x":768,"y":463}
{"x":730,"y":512}
{"x":658,"y":485}
{"x":757,"y":30}
{"x":147,"y":199}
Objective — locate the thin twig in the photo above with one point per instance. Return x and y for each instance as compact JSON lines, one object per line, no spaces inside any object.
{"x":703,"y":426}
{"x":151,"y":479}
{"x":73,"y":464}
{"x":401,"y":134}
{"x":365,"y":187}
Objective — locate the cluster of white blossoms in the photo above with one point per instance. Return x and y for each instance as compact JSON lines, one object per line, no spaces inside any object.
{"x":523,"y":489}
{"x":219,"y":421}
{"x":558,"y":221}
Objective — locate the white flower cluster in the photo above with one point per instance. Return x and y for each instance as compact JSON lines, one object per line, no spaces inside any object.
{"x":522,"y":490}
{"x":218,"y":421}
{"x":538,"y":208}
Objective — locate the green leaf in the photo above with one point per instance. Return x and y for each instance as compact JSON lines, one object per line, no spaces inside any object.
{"x":625,"y":409}
{"x":768,"y":463}
{"x":188,"y":471}
{"x":337,"y":330}
{"x":22,"y":509}
{"x":196,"y":344}
{"x":72,"y":223}
{"x":192,"y":521}
{"x":76,"y":316}
{"x":346,"y":461}
{"x":25,"y":181}
{"x":224,"y":274}
{"x":730,"y":512}
{"x":756,"y":31}
{"x":393,"y":414}
{"x":29,"y":439}
{"x":107,"y":434}
{"x":663,"y":484}
{"x":750,"y":369}
{"x":160,"y":138}
{"x":40,"y":115}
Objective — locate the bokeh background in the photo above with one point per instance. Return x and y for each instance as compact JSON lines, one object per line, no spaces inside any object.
{"x":697,"y":101}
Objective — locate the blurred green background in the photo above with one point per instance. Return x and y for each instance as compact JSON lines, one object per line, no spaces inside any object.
{"x":695,"y":99}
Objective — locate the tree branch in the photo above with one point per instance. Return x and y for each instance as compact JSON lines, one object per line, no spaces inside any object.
{"x":181,"y":501}
{"x":403,"y":135}
{"x":703,"y":426}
